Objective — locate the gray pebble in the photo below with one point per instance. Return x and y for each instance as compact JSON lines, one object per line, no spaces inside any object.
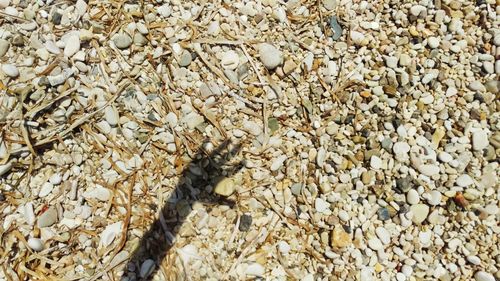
{"x":4,"y":47}
{"x":122,"y":41}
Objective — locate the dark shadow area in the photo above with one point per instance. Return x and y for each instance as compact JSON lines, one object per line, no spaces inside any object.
{"x":205,"y":169}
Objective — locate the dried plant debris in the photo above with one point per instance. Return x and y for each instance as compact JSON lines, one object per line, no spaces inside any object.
{"x":256,"y":139}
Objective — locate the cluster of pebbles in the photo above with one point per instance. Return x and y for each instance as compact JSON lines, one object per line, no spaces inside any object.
{"x":369,"y":133}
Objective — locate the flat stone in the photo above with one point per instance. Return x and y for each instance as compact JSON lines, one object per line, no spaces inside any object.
{"x":480,"y":140}
{"x":111,"y":115}
{"x":47,"y":218}
{"x":420,"y":212}
{"x":375,"y":244}
{"x":10,"y":70}
{"x":255,"y":269}
{"x":383,"y":235}
{"x":483,"y":276}
{"x":35,"y":244}
{"x":122,"y":40}
{"x":433,"y":42}
{"x":278,"y":162}
{"x":72,"y":46}
{"x":225,"y":187}
{"x":270,"y":56}
{"x":412,"y":197}
{"x":185,"y":58}
{"x":464,"y":180}
{"x":230,"y":60}
{"x":375,"y":162}
{"x":4,"y":47}
{"x":321,"y":205}
{"x":434,"y":198}
{"x":428,"y":169}
{"x":401,"y":148}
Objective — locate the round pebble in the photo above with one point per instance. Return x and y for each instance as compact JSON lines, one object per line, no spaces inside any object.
{"x":270,"y":56}
{"x":10,"y":70}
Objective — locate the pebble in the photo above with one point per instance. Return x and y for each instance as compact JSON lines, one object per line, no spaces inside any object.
{"x":480,"y":140}
{"x":245,"y":222}
{"x":429,"y":169}
{"x":464,"y":180}
{"x":48,"y":218}
{"x":122,"y":40}
{"x":340,"y":238}
{"x":185,"y":58}
{"x":111,"y":115}
{"x":375,"y":162}
{"x":433,"y":42}
{"x":483,"y":276}
{"x":420,"y":212}
{"x":147,"y":268}
{"x":383,"y":235}
{"x":445,"y":157}
{"x":230,"y":60}
{"x":270,"y":56}
{"x":10,"y":70}
{"x":284,"y":247}
{"x":35,"y":244}
{"x":321,"y":205}
{"x":434,"y":198}
{"x":225,"y":187}
{"x":474,"y":260}
{"x":278,"y":162}
{"x":375,"y":244}
{"x":255,"y":269}
{"x":72,"y":46}
{"x":412,"y":197}
{"x":4,"y":4}
{"x":401,"y":148}
{"x":46,"y":189}
{"x":4,"y":47}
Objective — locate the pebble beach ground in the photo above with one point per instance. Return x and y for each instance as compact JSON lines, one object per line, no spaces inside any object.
{"x":367,"y":134}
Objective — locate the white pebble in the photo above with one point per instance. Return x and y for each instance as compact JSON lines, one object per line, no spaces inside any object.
{"x":480,"y":140}
{"x":434,"y":198}
{"x":255,"y":269}
{"x":10,"y":70}
{"x":412,"y":197}
{"x":464,"y":180}
{"x":383,"y":235}
{"x":278,"y":162}
{"x":230,"y":60}
{"x":283,"y":247}
{"x":445,"y":157}
{"x":375,"y":244}
{"x":111,"y":115}
{"x":483,"y":276}
{"x":72,"y":46}
{"x":321,"y":205}
{"x":35,"y":244}
{"x":375,"y":162}
{"x":270,"y":56}
{"x":474,"y":260}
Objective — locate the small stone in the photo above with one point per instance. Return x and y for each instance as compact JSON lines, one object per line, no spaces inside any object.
{"x":429,"y":169}
{"x":147,"y":268}
{"x":488,"y":67}
{"x":4,"y":47}
{"x":383,"y":235}
{"x":480,"y":140}
{"x":46,"y":189}
{"x":415,"y":10}
{"x":445,"y":157}
{"x":278,"y":162}
{"x":329,"y":4}
{"x":433,"y":42}
{"x":35,"y":244}
{"x":289,"y":67}
{"x":225,"y":187}
{"x":340,"y":238}
{"x":284,"y":247}
{"x":375,"y":244}
{"x":185,"y":58}
{"x":245,"y":222}
{"x":420,"y":212}
{"x":10,"y":70}
{"x":375,"y":162}
{"x":383,"y":214}
{"x":4,"y":4}
{"x":270,"y":56}
{"x":47,"y":218}
{"x":255,"y":269}
{"x":464,"y":180}
{"x":477,"y":86}
{"x":344,"y":216}
{"x":320,"y":157}
{"x":72,"y":46}
{"x":401,"y":148}
{"x":412,"y":197}
{"x":230,"y":60}
{"x":321,"y":205}
{"x":434,"y":198}
{"x":99,"y":192}
{"x":357,"y":37}
{"x":122,"y":40}
{"x":483,"y":276}
{"x":474,"y":260}
{"x":111,"y":115}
